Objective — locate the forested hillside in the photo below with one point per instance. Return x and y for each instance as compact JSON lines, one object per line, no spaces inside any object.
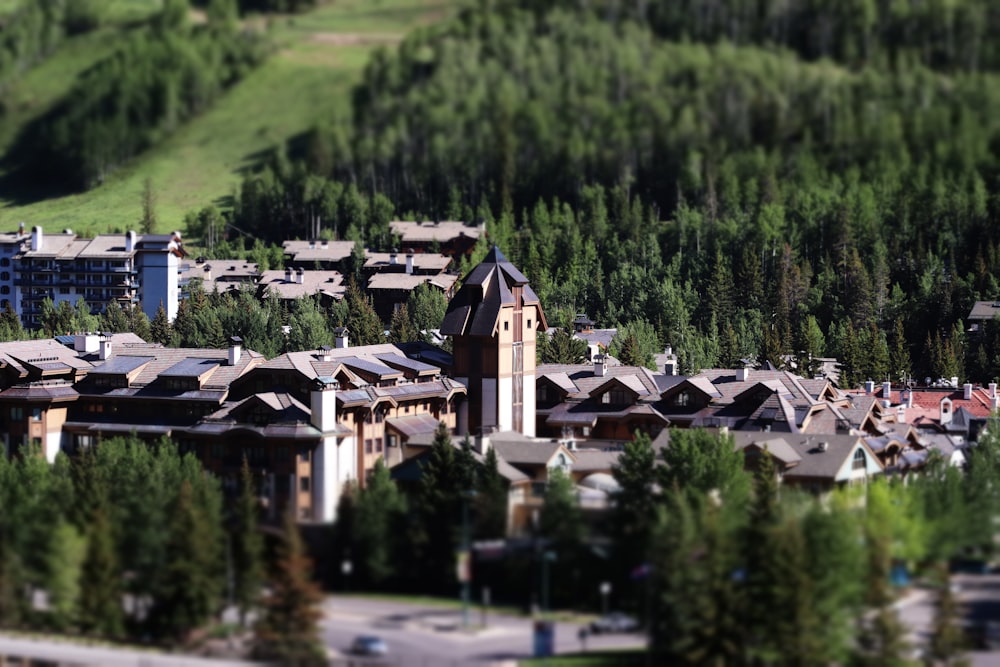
{"x":747,"y":191}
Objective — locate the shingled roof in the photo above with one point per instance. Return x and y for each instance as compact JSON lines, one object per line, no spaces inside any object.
{"x":475,"y":309}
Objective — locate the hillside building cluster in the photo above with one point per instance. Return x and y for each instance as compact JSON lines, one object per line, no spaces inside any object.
{"x":309,"y":422}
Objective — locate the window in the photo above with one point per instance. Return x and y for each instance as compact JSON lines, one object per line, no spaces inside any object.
{"x":368,"y":446}
{"x":304,"y":456}
{"x":62,"y":290}
{"x":36,"y":414}
{"x":218,"y":450}
{"x":5,"y":261}
{"x":281,"y":454}
{"x":506,"y":326}
{"x":16,"y":414}
{"x":529,"y":324}
{"x":681,"y":400}
{"x":84,"y":441}
{"x":859,"y":460}
{"x":304,"y":484}
{"x":4,"y":275}
{"x":378,"y":444}
{"x":379,"y":416}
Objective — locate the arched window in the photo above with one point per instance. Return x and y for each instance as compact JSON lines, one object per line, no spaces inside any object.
{"x":860,"y":461}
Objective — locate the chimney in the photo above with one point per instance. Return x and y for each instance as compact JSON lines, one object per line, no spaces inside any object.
{"x":392,"y":258}
{"x":823,"y":446}
{"x":945,"y":411}
{"x":670,"y":365}
{"x":85,"y":342}
{"x":20,"y":228}
{"x":235,"y":350}
{"x":869,"y":386}
{"x":954,"y":381}
{"x":887,"y":391}
{"x":36,"y":238}
{"x":993,"y":389}
{"x":323,"y":404}
{"x":901,"y":414}
{"x":995,"y":403}
{"x":104,"y":350}
{"x":340,"y":340}
{"x":409,"y":263}
{"x":323,"y":353}
{"x":600,"y":365}
{"x":967,"y":391}
{"x":483,"y":442}
{"x":742,"y":374}
{"x":909,"y":398}
{"x":288,"y":274}
{"x":300,"y":276}
{"x":129,"y":241}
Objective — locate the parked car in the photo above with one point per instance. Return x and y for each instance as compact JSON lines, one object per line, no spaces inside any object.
{"x":616,"y":621}
{"x":369,"y":645}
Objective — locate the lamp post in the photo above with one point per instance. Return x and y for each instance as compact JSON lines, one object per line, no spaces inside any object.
{"x":547,"y":557}
{"x":605,"y":592}
{"x":346,"y":567}
{"x":464,"y":564}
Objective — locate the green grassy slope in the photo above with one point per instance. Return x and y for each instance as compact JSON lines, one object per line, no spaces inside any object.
{"x":319,"y":57}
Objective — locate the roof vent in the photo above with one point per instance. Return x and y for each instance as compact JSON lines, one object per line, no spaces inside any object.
{"x":823,"y":446}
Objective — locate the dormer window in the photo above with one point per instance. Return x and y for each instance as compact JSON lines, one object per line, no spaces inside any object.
{"x":542,"y":393}
{"x":682,"y":399}
{"x":615,"y":397}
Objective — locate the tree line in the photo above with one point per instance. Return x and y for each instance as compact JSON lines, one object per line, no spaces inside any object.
{"x":727,"y":567}
{"x":740,"y":199}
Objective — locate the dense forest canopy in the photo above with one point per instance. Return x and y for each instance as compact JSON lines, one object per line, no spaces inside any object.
{"x":697,"y":168}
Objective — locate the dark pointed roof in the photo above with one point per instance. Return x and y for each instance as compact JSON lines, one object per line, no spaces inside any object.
{"x":475,"y":310}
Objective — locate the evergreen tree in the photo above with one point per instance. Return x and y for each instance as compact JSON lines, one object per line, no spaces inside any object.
{"x":378,"y":513}
{"x":113,"y":318}
{"x":160,"y":330}
{"x":491,"y":500}
{"x":100,"y":584}
{"x":66,"y":558}
{"x":401,"y":329}
{"x":563,"y":348}
{"x":308,"y":328}
{"x":634,"y":510}
{"x":427,"y":306}
{"x":362,"y":321}
{"x":698,"y":461}
{"x":247,"y":546}
{"x":288,"y":632}
{"x":190,"y":591}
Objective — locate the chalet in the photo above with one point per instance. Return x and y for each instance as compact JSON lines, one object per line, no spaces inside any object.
{"x":447,"y":237}
{"x":291,"y":284}
{"x":599,"y":400}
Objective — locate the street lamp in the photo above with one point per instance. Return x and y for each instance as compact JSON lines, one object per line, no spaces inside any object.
{"x":464,"y":561}
{"x":346,"y":567}
{"x":547,"y":557}
{"x":605,"y":592}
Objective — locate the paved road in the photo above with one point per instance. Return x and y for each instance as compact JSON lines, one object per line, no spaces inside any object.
{"x":979,"y":596}
{"x":420,"y":635}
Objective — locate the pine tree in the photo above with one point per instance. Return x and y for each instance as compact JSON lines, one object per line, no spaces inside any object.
{"x":190,"y":591}
{"x":491,"y":500}
{"x":362,"y":321}
{"x":113,"y":318}
{"x":66,"y":556}
{"x":100,"y":584}
{"x":401,"y":329}
{"x":634,"y":508}
{"x":160,"y":330}
{"x":247,"y":546}
{"x":288,"y":632}
{"x":378,"y":513}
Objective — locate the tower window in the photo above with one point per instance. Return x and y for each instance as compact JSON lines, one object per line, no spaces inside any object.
{"x":506,"y":326}
{"x":529,"y":324}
